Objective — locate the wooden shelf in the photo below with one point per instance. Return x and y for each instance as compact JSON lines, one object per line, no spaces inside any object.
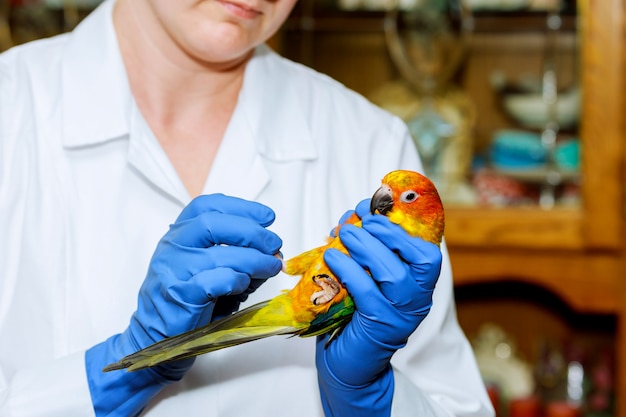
{"x":514,"y":228}
{"x":587,"y":282}
{"x":334,"y":20}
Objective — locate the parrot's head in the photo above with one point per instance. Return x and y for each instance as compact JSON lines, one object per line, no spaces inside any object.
{"x":411,"y":200}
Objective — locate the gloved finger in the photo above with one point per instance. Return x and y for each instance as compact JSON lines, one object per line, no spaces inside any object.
{"x":242,"y":296}
{"x":221,"y":203}
{"x":423,"y":257}
{"x":342,"y":220}
{"x":208,"y":229}
{"x":376,"y":318}
{"x":206,"y":286}
{"x":365,"y":293}
{"x":227,"y":304}
{"x":247,"y":260}
{"x":363,"y":208}
{"x":386,"y":268}
{"x":190,"y":261}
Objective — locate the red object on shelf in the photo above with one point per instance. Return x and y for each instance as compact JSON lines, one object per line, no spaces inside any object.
{"x":562,"y":409}
{"x":525,"y":407}
{"x":494,"y":396}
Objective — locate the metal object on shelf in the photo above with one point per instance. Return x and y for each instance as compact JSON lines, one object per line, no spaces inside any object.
{"x":543,"y":106}
{"x":547,"y":197}
{"x":500,"y":362}
{"x":427,"y":51}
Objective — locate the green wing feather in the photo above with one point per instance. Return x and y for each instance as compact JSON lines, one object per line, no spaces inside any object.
{"x":229,"y":331}
{"x":334,"y":319}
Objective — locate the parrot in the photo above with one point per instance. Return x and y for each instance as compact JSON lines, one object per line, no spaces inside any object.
{"x":318,"y":303}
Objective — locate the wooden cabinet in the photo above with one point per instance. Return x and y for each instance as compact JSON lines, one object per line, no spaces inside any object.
{"x":598,"y":224}
{"x":577,"y":253}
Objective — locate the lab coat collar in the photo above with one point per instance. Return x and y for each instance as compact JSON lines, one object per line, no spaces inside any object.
{"x":274,"y":109}
{"x":94,"y":112}
{"x":269,"y":123}
{"x":98,"y":112}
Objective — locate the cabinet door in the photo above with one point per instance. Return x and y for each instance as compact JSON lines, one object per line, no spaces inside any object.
{"x":598,"y":222}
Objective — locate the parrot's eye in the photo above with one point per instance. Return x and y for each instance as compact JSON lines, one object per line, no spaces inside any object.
{"x":409,"y":196}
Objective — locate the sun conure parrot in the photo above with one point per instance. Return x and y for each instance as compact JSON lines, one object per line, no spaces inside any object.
{"x":318,"y":303}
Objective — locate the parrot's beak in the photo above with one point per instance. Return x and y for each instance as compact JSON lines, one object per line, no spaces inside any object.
{"x":382,"y":201}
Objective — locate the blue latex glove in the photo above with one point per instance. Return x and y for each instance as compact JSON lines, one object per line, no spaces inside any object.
{"x":342,"y":220}
{"x":216,"y":253}
{"x":354,"y":370}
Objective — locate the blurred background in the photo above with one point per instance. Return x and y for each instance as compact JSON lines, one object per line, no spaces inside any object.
{"x":517,"y":109}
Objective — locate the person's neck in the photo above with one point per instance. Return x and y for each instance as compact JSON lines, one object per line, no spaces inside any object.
{"x":166,"y":82}
{"x":187,"y":104}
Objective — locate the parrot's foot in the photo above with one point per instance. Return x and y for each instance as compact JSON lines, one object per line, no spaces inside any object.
{"x":330,"y":287}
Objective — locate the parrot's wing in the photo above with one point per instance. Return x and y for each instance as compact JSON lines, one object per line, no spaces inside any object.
{"x":229,"y":331}
{"x":299,"y":264}
{"x":333,"y":320}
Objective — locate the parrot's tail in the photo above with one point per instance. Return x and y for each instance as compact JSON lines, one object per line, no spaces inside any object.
{"x":228,"y":331}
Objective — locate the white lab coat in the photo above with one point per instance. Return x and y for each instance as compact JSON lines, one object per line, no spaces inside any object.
{"x":86,"y":192}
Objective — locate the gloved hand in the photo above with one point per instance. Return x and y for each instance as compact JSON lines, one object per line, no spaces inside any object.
{"x":218,"y":249}
{"x":354,"y":370}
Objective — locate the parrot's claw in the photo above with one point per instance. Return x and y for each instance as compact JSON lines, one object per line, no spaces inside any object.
{"x":330,"y":287}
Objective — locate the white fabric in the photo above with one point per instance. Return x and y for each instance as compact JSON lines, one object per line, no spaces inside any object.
{"x":86,"y":192}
